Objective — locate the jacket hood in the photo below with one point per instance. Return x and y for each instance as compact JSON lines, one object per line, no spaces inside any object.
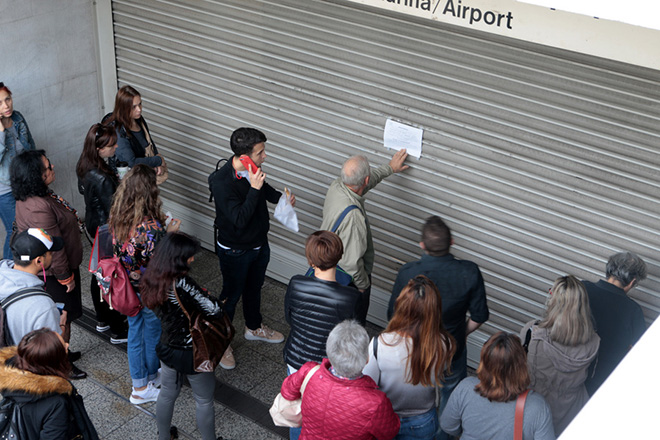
{"x":11,"y":279}
{"x":20,"y":382}
{"x":564,"y":358}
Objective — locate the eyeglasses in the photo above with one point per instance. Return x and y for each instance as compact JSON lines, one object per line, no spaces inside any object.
{"x":50,"y":165}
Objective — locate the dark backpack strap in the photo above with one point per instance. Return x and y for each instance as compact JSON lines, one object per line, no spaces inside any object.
{"x":22,"y":293}
{"x":528,"y":337}
{"x":375,"y":345}
{"x":342,"y":216}
{"x":217,"y":167}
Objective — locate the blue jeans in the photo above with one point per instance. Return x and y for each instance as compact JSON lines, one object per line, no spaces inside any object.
{"x":294,"y":433}
{"x":143,"y":335}
{"x":458,"y":373}
{"x":243,"y":274}
{"x":8,"y":215}
{"x":423,"y":426}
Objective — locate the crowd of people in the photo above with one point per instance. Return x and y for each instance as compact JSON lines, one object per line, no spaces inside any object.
{"x":409,"y":382}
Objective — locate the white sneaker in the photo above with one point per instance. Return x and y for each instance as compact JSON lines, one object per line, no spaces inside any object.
{"x":228,"y":362}
{"x":149,"y":394}
{"x":265,"y":334}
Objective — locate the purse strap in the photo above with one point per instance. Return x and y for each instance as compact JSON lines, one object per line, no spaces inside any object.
{"x":348,"y":209}
{"x":176,"y":295}
{"x":307,"y":378}
{"x":518,"y":419}
{"x":150,"y":146}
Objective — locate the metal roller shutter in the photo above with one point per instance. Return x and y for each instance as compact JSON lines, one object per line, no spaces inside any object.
{"x":542,"y":161}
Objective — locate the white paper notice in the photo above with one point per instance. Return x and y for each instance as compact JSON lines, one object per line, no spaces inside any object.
{"x":398,"y":136}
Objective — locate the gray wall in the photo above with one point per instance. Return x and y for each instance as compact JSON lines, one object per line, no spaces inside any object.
{"x":49,"y":63}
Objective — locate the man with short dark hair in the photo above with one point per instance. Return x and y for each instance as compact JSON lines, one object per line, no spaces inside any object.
{"x":461,"y":289}
{"x":357,"y":178}
{"x":242,"y":223}
{"x":33,"y":253}
{"x":618,"y":319}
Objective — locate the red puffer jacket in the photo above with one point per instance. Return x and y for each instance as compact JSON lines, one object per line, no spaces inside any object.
{"x":341,"y":409}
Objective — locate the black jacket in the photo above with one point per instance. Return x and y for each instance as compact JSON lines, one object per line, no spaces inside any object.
{"x":175,"y":346}
{"x":313,"y":307}
{"x":50,"y":405}
{"x":98,"y":189}
{"x":241,"y":212}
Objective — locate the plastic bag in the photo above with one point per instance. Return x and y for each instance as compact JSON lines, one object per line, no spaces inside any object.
{"x":284,"y":212}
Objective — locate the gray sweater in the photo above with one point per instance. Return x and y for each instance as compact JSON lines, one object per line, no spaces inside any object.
{"x":474,"y":417}
{"x":30,"y":313}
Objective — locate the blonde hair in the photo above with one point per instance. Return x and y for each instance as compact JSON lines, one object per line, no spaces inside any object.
{"x":568,"y":315}
{"x":137,"y":198}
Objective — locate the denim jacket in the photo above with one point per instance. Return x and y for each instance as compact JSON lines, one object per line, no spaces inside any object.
{"x":8,"y":147}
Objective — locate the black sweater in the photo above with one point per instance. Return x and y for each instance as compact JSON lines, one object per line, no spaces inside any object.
{"x":241,"y":211}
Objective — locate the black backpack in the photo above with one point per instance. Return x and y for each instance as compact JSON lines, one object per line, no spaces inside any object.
{"x":11,"y":420}
{"x":6,"y":338}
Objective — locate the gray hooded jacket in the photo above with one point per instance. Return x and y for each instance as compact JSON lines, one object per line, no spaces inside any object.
{"x":30,"y":313}
{"x":558,"y":372}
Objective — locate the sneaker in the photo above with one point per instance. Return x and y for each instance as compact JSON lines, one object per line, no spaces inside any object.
{"x":102,"y":327}
{"x":228,"y":362}
{"x":119,"y":338}
{"x":265,"y":334}
{"x":149,"y":394}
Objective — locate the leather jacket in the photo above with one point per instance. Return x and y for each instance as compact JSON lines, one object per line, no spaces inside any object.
{"x":98,"y":189}
{"x":313,"y":307}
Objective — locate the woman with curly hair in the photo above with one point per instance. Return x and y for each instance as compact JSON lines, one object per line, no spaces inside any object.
{"x":133,"y":137}
{"x":137,"y":224}
{"x":97,"y":182}
{"x":484,"y":407}
{"x":409,"y":359}
{"x":561,"y":347}
{"x":37,"y":206}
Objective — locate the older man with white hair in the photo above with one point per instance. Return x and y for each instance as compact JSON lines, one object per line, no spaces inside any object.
{"x":344,"y":213}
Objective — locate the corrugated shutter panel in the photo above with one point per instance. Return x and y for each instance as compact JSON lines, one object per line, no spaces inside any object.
{"x":542,"y":161}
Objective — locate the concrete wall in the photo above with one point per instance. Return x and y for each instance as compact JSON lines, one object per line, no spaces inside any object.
{"x":49,"y":63}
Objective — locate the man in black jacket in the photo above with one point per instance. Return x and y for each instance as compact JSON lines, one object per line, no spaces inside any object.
{"x":242,"y":223}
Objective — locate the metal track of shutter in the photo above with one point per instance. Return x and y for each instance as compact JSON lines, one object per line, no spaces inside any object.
{"x":543,"y":162}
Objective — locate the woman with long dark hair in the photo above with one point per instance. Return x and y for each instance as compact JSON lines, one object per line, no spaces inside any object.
{"x":34,"y":375}
{"x":561,"y":347}
{"x":37,"y":206}
{"x":409,"y":359}
{"x":167,"y":271}
{"x":484,"y":407}
{"x":97,"y":182}
{"x":133,"y":137}
{"x":137,"y":224}
{"x":15,"y":137}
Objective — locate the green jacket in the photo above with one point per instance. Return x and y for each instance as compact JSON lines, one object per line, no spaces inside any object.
{"x":354,"y":231}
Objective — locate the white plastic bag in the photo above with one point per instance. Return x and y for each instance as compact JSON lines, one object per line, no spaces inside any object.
{"x":285,"y":213}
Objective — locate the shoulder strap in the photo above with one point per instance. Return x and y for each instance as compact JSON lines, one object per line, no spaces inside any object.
{"x":22,"y":293}
{"x":310,"y":373}
{"x":518,"y":420}
{"x":375,"y":345}
{"x":341,"y":217}
{"x":217,"y":167}
{"x":528,"y":337}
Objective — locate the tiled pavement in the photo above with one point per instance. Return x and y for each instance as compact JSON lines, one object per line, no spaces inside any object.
{"x":243,"y":395}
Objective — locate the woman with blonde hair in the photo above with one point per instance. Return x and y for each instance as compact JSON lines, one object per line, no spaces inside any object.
{"x":137,"y":224}
{"x":409,"y":359}
{"x":560,"y":349}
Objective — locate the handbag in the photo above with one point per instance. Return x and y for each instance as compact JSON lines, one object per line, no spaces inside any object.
{"x":11,"y":420}
{"x":211,"y":335}
{"x":288,"y":412}
{"x":518,"y":418}
{"x":150,"y":151}
{"x":116,"y":288}
{"x":342,"y":277}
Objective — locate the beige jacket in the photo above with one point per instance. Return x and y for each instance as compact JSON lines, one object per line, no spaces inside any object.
{"x":354,"y":230}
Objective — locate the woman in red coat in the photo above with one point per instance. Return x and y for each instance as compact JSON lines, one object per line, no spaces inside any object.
{"x":339,"y":402}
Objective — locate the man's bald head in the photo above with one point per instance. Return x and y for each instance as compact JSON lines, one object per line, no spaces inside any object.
{"x":354,"y":171}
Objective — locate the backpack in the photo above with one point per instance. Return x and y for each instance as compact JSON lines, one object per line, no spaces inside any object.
{"x":6,"y":338}
{"x":11,"y":420}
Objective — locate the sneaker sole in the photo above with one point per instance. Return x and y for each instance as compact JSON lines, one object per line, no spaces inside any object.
{"x":227,"y":367}
{"x":118,"y":341}
{"x":251,"y":337}
{"x":135,"y":401}
{"x":102,"y":329}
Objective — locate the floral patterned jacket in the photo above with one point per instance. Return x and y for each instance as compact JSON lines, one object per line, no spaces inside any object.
{"x":135,"y":253}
